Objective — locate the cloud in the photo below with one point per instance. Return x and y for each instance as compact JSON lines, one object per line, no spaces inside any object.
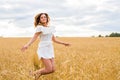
{"x":81,"y":17}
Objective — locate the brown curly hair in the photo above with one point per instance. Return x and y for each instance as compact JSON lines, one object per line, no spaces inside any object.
{"x":37,"y":19}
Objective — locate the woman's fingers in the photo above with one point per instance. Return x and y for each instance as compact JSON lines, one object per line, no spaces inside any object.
{"x":67,"y":44}
{"x":23,"y":48}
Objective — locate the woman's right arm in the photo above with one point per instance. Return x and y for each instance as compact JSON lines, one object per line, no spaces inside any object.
{"x":31,"y":41}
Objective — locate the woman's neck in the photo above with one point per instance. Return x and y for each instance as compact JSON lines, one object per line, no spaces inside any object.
{"x":45,"y":25}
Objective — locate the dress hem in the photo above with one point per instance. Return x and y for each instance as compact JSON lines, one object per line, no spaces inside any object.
{"x":46,"y":58}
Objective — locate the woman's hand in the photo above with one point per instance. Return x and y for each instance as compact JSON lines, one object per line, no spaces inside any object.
{"x":31,"y":41}
{"x":67,"y":44}
{"x":24,"y":48}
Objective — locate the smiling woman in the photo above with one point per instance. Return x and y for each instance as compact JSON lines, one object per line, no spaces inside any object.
{"x":41,"y":19}
{"x":45,"y":48}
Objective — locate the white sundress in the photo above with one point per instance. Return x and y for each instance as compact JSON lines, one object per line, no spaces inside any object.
{"x":45,"y":46}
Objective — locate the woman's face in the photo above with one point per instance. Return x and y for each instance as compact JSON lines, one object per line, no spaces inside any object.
{"x":43,"y":19}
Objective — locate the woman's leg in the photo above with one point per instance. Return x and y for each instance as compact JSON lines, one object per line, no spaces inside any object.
{"x":53,"y":64}
{"x":49,"y":67}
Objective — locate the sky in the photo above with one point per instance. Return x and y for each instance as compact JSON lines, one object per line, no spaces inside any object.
{"x":72,"y":18}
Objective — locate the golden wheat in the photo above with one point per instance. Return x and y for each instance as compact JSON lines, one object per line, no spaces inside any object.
{"x":85,"y":59}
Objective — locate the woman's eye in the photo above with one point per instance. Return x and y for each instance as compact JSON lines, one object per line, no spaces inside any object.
{"x":42,"y":17}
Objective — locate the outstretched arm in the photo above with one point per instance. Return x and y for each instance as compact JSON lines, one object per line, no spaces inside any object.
{"x":30,"y":42}
{"x":59,"y":42}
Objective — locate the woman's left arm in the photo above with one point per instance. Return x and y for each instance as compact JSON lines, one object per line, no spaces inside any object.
{"x":59,"y":42}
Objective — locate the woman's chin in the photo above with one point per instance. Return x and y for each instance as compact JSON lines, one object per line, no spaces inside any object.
{"x":43,"y":22}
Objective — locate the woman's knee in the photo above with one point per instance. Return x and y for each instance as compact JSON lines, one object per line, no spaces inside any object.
{"x":50,"y":70}
{"x":53,"y":69}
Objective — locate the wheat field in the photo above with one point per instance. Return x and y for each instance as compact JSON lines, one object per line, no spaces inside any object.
{"x":85,"y":59}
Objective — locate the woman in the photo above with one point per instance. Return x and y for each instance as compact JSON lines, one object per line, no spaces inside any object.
{"x":45,"y":48}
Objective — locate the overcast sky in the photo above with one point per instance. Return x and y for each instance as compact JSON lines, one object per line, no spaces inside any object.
{"x":83,"y":18}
